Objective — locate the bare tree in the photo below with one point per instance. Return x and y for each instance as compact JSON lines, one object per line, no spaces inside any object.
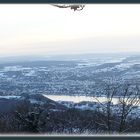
{"x":110,"y":92}
{"x":129,"y":99}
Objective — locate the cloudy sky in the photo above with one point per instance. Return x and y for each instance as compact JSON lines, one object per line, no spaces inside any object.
{"x":45,"y":29}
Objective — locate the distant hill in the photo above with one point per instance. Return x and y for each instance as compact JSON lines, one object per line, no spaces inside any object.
{"x":10,"y":104}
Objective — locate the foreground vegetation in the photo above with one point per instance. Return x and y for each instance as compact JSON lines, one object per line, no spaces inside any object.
{"x":38,"y":114}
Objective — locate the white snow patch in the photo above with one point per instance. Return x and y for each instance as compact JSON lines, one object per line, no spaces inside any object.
{"x":10,"y":97}
{"x":30,"y":73}
{"x":12,"y":68}
{"x":124,"y":66}
{"x":33,"y":101}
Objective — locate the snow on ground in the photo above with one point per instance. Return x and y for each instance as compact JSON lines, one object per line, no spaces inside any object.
{"x":1,"y":74}
{"x":103,"y":70}
{"x":10,"y":97}
{"x":124,"y":66}
{"x":12,"y":68}
{"x":34,"y":101}
{"x":15,"y":68}
{"x":30,"y":73}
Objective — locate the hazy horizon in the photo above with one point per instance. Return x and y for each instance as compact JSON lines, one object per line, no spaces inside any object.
{"x":42,"y":29}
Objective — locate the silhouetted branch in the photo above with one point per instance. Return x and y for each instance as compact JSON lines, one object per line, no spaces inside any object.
{"x":75,"y":7}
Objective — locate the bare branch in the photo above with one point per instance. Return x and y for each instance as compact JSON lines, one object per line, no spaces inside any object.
{"x":75,"y":7}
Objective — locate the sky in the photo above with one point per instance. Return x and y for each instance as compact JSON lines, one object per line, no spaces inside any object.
{"x":43,"y":29}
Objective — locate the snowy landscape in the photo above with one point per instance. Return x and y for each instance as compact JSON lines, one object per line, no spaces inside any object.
{"x":70,"y":69}
{"x":102,"y":88}
{"x":71,"y":75}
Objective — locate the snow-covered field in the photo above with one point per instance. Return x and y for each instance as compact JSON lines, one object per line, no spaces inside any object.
{"x":10,"y":97}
